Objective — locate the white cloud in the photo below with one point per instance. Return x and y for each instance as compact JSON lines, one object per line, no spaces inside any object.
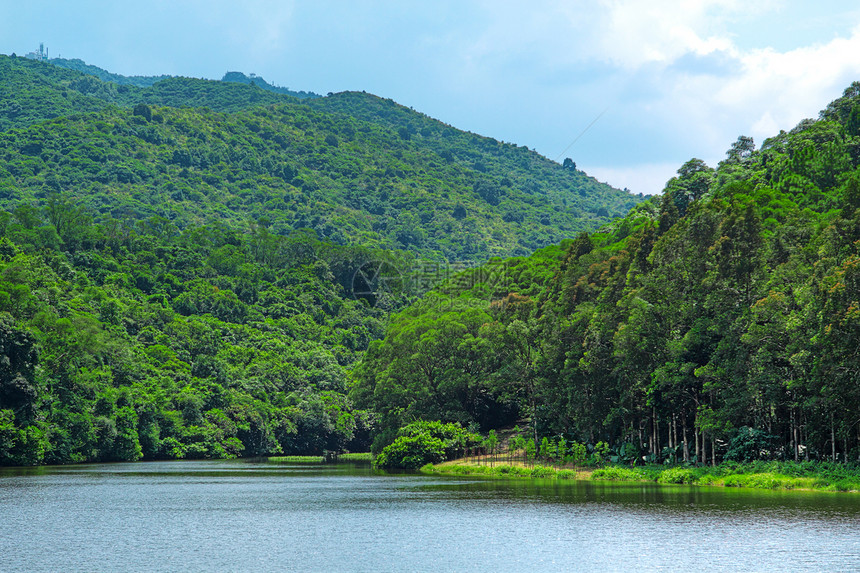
{"x":636,"y":32}
{"x":703,"y":106}
{"x":682,"y":78}
{"x":768,"y":91}
{"x":789,"y":86}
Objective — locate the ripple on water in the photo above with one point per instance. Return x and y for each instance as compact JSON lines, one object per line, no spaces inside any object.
{"x":241,"y":516}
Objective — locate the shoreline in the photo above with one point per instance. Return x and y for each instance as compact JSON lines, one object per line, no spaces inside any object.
{"x":821,"y":479}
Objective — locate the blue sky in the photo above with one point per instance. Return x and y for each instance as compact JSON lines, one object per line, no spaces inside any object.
{"x":673,"y":80}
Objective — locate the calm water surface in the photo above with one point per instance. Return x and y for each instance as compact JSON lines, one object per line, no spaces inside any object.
{"x":245,"y":516}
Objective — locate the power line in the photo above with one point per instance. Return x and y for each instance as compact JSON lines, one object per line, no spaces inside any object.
{"x":582,"y":133}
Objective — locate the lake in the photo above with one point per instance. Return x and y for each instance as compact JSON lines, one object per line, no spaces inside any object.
{"x":258,"y":516}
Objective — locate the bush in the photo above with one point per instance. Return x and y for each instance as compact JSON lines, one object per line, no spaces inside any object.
{"x":542,"y":472}
{"x":412,"y":452}
{"x":677,"y":475}
{"x":616,"y":474}
{"x":423,"y":443}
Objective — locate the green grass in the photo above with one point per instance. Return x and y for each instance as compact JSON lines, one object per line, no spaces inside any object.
{"x":819,"y":476}
{"x":546,"y":472}
{"x":352,"y":457}
{"x":357,"y":457}
{"x":295,"y":459}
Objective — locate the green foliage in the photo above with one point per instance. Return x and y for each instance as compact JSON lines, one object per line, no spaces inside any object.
{"x":194,"y":151}
{"x":677,"y":475}
{"x":133,"y":331}
{"x":257,"y":81}
{"x":420,"y":443}
{"x":410,"y":452}
{"x":719,"y":321}
{"x":811,"y":476}
{"x":616,"y":474}
{"x":750,"y":444}
{"x":133,"y":342}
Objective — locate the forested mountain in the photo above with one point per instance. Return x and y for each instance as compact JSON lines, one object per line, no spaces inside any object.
{"x":36,"y":91}
{"x":351,"y":166}
{"x":718,"y":321}
{"x":183,"y":266}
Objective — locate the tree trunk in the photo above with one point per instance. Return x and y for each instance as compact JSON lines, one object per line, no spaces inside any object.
{"x":686,"y":443}
{"x":650,"y":430}
{"x":696,"y":436}
{"x":669,"y":433}
{"x":795,"y":437}
{"x":832,"y":438}
{"x":674,"y":432}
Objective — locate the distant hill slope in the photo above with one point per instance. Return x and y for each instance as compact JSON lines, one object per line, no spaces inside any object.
{"x":353,"y":167}
{"x":32,"y":91}
{"x":149,"y":81}
{"x":104,"y":75}
{"x":255,"y":80}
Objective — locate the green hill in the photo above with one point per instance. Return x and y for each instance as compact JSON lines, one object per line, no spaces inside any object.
{"x":717,"y":322}
{"x":192,"y":268}
{"x":353,"y":167}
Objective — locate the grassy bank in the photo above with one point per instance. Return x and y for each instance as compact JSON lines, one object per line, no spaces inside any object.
{"x":820,"y":476}
{"x":355,"y":457}
{"x":505,"y":470}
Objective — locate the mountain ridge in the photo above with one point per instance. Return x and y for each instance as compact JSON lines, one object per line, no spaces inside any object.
{"x":352,"y":166}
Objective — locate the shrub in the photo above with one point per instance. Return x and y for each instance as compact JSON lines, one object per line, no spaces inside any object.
{"x":677,"y":475}
{"x":412,"y":452}
{"x":423,"y":442}
{"x":542,"y":472}
{"x":616,"y":474}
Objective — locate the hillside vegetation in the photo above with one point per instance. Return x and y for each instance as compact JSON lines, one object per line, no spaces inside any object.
{"x":178,"y":261}
{"x":720,"y":321}
{"x":149,"y":81}
{"x":147,"y":343}
{"x":353,"y":167}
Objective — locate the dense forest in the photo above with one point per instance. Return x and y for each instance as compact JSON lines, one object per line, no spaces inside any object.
{"x":184,"y":273}
{"x":718,"y":321}
{"x":146,"y":342}
{"x":191,"y":268}
{"x":355,"y":168}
